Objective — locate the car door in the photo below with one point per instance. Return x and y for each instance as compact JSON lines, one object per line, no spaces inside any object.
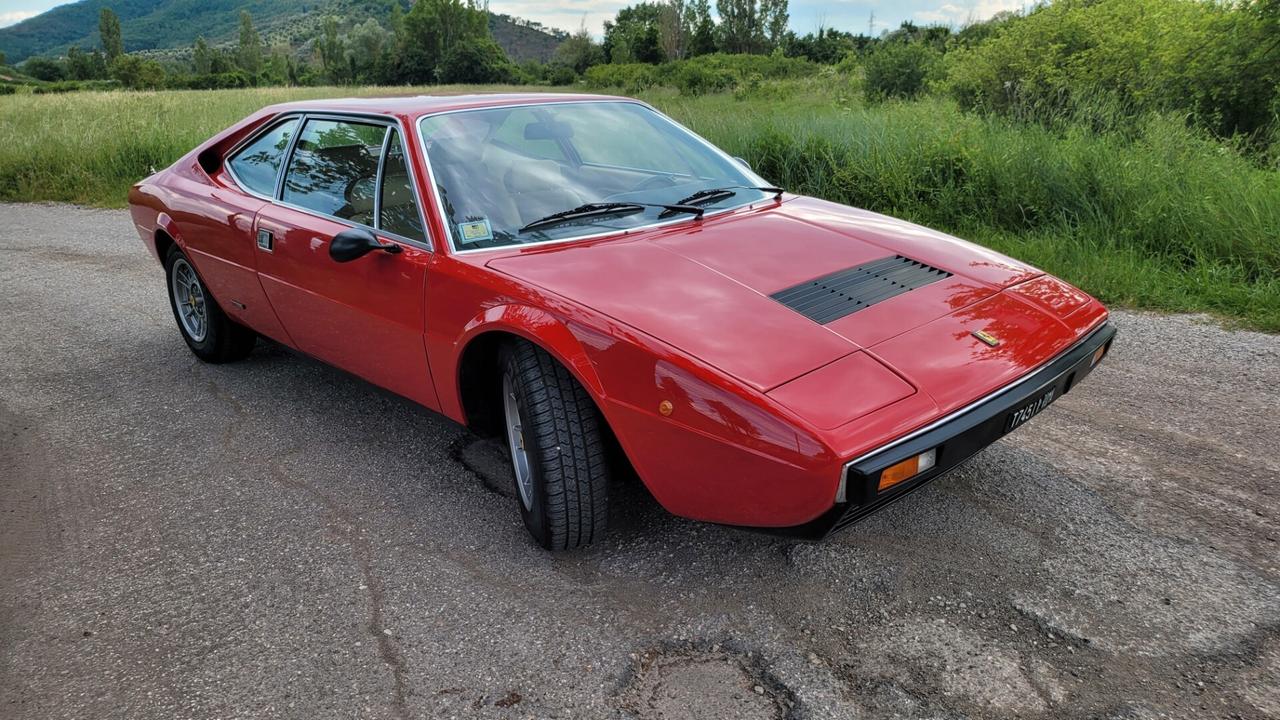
{"x":366,"y":315}
{"x":217,"y":233}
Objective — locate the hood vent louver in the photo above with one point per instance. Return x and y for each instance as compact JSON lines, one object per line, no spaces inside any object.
{"x":834,"y":296}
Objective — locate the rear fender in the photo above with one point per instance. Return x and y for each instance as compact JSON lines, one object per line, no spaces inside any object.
{"x":169,"y":226}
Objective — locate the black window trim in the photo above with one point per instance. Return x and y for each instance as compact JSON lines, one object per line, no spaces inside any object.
{"x":303,"y":116}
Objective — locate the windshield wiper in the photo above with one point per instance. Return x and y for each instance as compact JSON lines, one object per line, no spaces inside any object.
{"x":713,"y":195}
{"x":593,"y":210}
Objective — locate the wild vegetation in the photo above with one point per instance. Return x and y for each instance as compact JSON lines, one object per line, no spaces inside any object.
{"x":1131,"y":146}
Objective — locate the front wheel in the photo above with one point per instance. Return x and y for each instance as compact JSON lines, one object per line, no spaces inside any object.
{"x":210,"y":334}
{"x":557,"y":451}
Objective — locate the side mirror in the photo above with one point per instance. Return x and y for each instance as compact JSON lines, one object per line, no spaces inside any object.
{"x":745,"y":164}
{"x":355,"y":243}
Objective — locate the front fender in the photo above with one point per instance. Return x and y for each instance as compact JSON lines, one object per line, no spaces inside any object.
{"x":536,"y":325}
{"x":705,"y":447}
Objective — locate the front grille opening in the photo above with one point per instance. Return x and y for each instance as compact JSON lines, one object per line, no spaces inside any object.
{"x":834,"y":296}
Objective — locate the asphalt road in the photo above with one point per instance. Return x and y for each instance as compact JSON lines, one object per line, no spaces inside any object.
{"x":275,"y":538}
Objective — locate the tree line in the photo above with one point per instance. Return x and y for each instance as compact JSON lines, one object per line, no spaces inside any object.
{"x":428,"y":41}
{"x":1097,"y":62}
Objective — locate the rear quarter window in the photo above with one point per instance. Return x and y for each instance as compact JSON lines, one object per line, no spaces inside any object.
{"x":257,"y":165}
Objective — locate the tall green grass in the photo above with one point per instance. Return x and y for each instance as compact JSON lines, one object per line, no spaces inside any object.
{"x":1158,"y":217}
{"x":89,"y":147}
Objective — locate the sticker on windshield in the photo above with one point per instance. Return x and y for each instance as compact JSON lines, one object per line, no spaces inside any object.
{"x":475,"y":231}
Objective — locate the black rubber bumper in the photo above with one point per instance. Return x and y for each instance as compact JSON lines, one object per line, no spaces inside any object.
{"x":956,"y":438}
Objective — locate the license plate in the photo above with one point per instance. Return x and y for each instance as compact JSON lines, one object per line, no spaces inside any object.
{"x":1030,"y":410}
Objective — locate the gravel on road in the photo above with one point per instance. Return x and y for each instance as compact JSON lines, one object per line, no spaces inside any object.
{"x":275,"y":538}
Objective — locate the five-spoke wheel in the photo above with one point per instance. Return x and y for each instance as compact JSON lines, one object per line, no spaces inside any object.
{"x":210,"y":334}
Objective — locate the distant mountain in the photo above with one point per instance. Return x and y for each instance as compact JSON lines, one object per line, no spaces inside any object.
{"x":163,"y":24}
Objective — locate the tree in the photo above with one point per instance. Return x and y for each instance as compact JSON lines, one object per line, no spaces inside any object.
{"x":475,"y":60}
{"x":202,"y":57}
{"x":137,"y":73}
{"x":899,"y":70}
{"x":773,"y":21}
{"x":702,"y":29}
{"x":109,"y":32}
{"x":740,"y":30}
{"x":2,"y":58}
{"x":579,"y":51}
{"x":249,"y":52}
{"x":673,"y":29}
{"x":44,"y":69}
{"x":367,"y":45}
{"x":275,"y":68}
{"x":332,"y":51}
{"x":430,"y":29}
{"x":826,"y":46}
{"x":634,"y":35}
{"x":83,"y":65}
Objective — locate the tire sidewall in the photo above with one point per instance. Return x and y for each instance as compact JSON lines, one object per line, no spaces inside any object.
{"x":534,"y":516}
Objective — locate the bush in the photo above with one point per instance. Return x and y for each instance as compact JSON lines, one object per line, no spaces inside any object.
{"x":899,"y":70}
{"x":1219,"y":62}
{"x":57,"y":87}
{"x":475,"y":61}
{"x":8,"y":89}
{"x":215,"y":81}
{"x":850,"y":64}
{"x":137,"y":73}
{"x":558,"y":74}
{"x":703,"y":74}
{"x":693,"y":78}
{"x":757,"y":88}
{"x":44,"y":69}
{"x":67,"y":86}
{"x":629,"y":77}
{"x":769,"y":67}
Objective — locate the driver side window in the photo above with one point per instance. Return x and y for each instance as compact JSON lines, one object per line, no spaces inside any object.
{"x":334,"y":169}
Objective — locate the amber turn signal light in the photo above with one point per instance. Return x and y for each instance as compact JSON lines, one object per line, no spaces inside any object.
{"x":908,"y":468}
{"x":1097,"y":355}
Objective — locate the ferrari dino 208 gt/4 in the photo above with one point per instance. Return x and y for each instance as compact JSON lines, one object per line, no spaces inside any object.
{"x":604,"y":289}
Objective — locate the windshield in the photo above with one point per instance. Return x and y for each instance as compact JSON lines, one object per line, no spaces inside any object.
{"x":501,"y":169}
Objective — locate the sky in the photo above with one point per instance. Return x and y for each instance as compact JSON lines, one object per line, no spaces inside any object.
{"x":806,"y":15}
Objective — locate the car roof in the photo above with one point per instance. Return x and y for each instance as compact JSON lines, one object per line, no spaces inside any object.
{"x":418,"y":105}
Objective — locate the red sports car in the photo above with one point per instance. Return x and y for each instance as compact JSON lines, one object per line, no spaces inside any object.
{"x":606,"y":289}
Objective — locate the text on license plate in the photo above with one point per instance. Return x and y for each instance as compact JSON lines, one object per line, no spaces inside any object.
{"x":1028,"y":411}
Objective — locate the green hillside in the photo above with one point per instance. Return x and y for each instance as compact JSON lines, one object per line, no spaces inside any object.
{"x":161,"y":24}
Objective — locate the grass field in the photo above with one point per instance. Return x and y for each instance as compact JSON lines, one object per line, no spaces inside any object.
{"x":1159,"y":218}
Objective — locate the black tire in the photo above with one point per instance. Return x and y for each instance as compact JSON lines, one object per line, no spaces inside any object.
{"x":224,"y":340}
{"x":562,"y":437}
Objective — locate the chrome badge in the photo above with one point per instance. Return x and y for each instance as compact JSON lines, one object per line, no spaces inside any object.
{"x":986,"y":337}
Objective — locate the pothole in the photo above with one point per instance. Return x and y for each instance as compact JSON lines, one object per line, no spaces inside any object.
{"x":486,"y":458}
{"x":707,"y":683}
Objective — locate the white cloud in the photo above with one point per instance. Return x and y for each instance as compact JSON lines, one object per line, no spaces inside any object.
{"x":9,"y":17}
{"x":959,"y":14}
{"x":563,"y":14}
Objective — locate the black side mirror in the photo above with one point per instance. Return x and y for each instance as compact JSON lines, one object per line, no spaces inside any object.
{"x":355,"y":243}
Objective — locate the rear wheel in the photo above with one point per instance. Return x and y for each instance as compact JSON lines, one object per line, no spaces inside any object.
{"x":210,"y":334}
{"x":557,"y":450}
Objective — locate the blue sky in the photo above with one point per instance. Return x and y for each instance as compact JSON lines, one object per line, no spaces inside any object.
{"x":806,"y":15}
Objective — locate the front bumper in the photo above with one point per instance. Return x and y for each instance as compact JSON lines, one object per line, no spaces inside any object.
{"x":957,"y":437}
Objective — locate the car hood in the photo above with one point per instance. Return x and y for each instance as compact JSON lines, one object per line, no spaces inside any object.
{"x":705,"y":289}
